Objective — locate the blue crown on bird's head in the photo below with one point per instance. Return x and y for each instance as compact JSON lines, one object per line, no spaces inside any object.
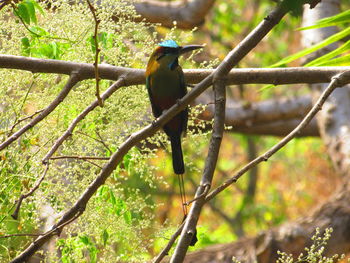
{"x":168,"y":43}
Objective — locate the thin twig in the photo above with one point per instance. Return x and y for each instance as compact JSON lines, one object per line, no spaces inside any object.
{"x":73,"y":79}
{"x":170,"y":243}
{"x":114,"y":87}
{"x":21,"y":235}
{"x":31,"y":191}
{"x":97,"y":140}
{"x":56,"y":230}
{"x":97,"y":52}
{"x":337,"y":81}
{"x":23,"y":119}
{"x":202,"y":195}
{"x":79,"y":157}
{"x":102,"y":141}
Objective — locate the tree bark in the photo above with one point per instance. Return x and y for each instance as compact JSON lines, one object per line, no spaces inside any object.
{"x":186,"y":14}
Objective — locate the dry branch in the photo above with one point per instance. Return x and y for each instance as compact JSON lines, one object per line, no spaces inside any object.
{"x":337,"y":81}
{"x":291,"y":237}
{"x":270,"y":117}
{"x":73,"y":79}
{"x":131,"y":76}
{"x":114,"y":87}
{"x":187,"y":14}
{"x":31,"y":191}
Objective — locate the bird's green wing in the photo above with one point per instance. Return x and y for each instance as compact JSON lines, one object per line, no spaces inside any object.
{"x":184,"y":113}
{"x":156,"y":111}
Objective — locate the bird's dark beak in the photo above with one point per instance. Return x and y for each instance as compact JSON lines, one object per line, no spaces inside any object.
{"x":189,"y":48}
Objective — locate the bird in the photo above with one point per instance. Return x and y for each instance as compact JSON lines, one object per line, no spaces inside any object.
{"x":165,"y":84}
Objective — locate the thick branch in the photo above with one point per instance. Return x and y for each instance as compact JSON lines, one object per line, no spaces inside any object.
{"x":337,"y":81}
{"x":277,"y":76}
{"x":245,"y":114}
{"x":277,"y":128}
{"x":187,"y":14}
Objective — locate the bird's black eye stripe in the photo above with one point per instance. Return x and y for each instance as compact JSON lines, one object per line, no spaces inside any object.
{"x":162,"y":55}
{"x":167,"y":50}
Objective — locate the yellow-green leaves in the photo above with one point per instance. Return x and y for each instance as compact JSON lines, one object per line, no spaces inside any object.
{"x":331,"y":58}
{"x":26,"y":11}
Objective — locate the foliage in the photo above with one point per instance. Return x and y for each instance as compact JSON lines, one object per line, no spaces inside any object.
{"x":314,"y":253}
{"x":332,"y":58}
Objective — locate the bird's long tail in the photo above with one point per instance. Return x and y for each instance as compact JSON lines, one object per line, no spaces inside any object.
{"x":179,"y":167}
{"x":176,"y":151}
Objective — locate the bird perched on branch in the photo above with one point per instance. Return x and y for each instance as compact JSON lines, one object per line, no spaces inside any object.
{"x":165,"y":83}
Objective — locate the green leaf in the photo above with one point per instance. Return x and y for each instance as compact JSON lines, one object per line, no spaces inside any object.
{"x":84,"y":239}
{"x":23,"y":13}
{"x":105,"y":237}
{"x":39,"y":30}
{"x":91,"y":40}
{"x":55,"y":50}
{"x":112,"y":198}
{"x":341,"y":61}
{"x":327,"y":57}
{"x":37,"y":7}
{"x":119,"y":207}
{"x":313,"y":48}
{"x":343,"y":17}
{"x":127,"y":217}
{"x":31,"y":11}
{"x":25,"y":42}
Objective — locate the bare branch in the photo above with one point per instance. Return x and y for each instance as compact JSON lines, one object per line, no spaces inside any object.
{"x":23,"y":119}
{"x":131,"y":76}
{"x":73,"y":79}
{"x":167,"y":248}
{"x":79,"y":157}
{"x":31,"y":191}
{"x":114,"y":87}
{"x":97,"y":52}
{"x":337,"y":81}
{"x":187,"y":14}
{"x":267,"y":111}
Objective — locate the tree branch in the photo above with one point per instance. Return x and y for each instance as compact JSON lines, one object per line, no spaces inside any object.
{"x":114,"y":87}
{"x":337,"y":81}
{"x":187,"y":14}
{"x":131,"y":76}
{"x":31,"y":191}
{"x":97,"y":52}
{"x":269,"y":117}
{"x":73,"y":79}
